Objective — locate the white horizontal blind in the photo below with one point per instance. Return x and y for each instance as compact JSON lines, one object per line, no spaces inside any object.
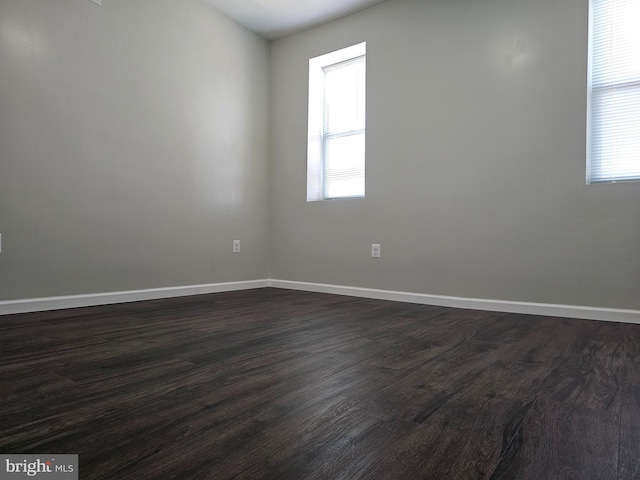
{"x":344,"y":128}
{"x":614,"y":89}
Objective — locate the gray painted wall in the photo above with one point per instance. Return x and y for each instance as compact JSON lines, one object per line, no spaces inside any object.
{"x":133,"y":147}
{"x":475,"y":160}
{"x":135,"y":141}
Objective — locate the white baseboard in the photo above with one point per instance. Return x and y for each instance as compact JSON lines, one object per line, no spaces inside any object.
{"x":74,"y":301}
{"x":545,"y":309}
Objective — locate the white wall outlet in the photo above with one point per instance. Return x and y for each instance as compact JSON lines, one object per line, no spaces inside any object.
{"x":236,"y":246}
{"x":375,"y":250}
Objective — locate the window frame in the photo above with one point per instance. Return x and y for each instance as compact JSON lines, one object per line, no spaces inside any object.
{"x":318,"y":138}
{"x":593,"y":174}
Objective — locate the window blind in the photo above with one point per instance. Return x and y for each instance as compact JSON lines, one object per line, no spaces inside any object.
{"x":614,"y":90}
{"x":344,"y":128}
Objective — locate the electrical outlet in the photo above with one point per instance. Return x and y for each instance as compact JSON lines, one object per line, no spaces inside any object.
{"x":236,"y":246}
{"x":375,"y":250}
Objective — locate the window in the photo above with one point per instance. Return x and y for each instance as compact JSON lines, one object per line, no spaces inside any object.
{"x":336,"y":148}
{"x":613,"y":144}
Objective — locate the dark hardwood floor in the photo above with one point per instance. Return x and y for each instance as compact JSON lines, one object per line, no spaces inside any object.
{"x":281,"y":384}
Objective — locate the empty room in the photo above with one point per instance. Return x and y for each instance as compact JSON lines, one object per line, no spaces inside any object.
{"x":320,"y":239}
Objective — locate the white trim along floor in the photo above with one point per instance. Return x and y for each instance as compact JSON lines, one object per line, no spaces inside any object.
{"x":552,"y":310}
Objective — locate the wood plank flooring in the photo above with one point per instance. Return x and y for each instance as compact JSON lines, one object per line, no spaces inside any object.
{"x":278,"y":384}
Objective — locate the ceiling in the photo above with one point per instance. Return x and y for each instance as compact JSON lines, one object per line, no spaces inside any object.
{"x":277,"y":18}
